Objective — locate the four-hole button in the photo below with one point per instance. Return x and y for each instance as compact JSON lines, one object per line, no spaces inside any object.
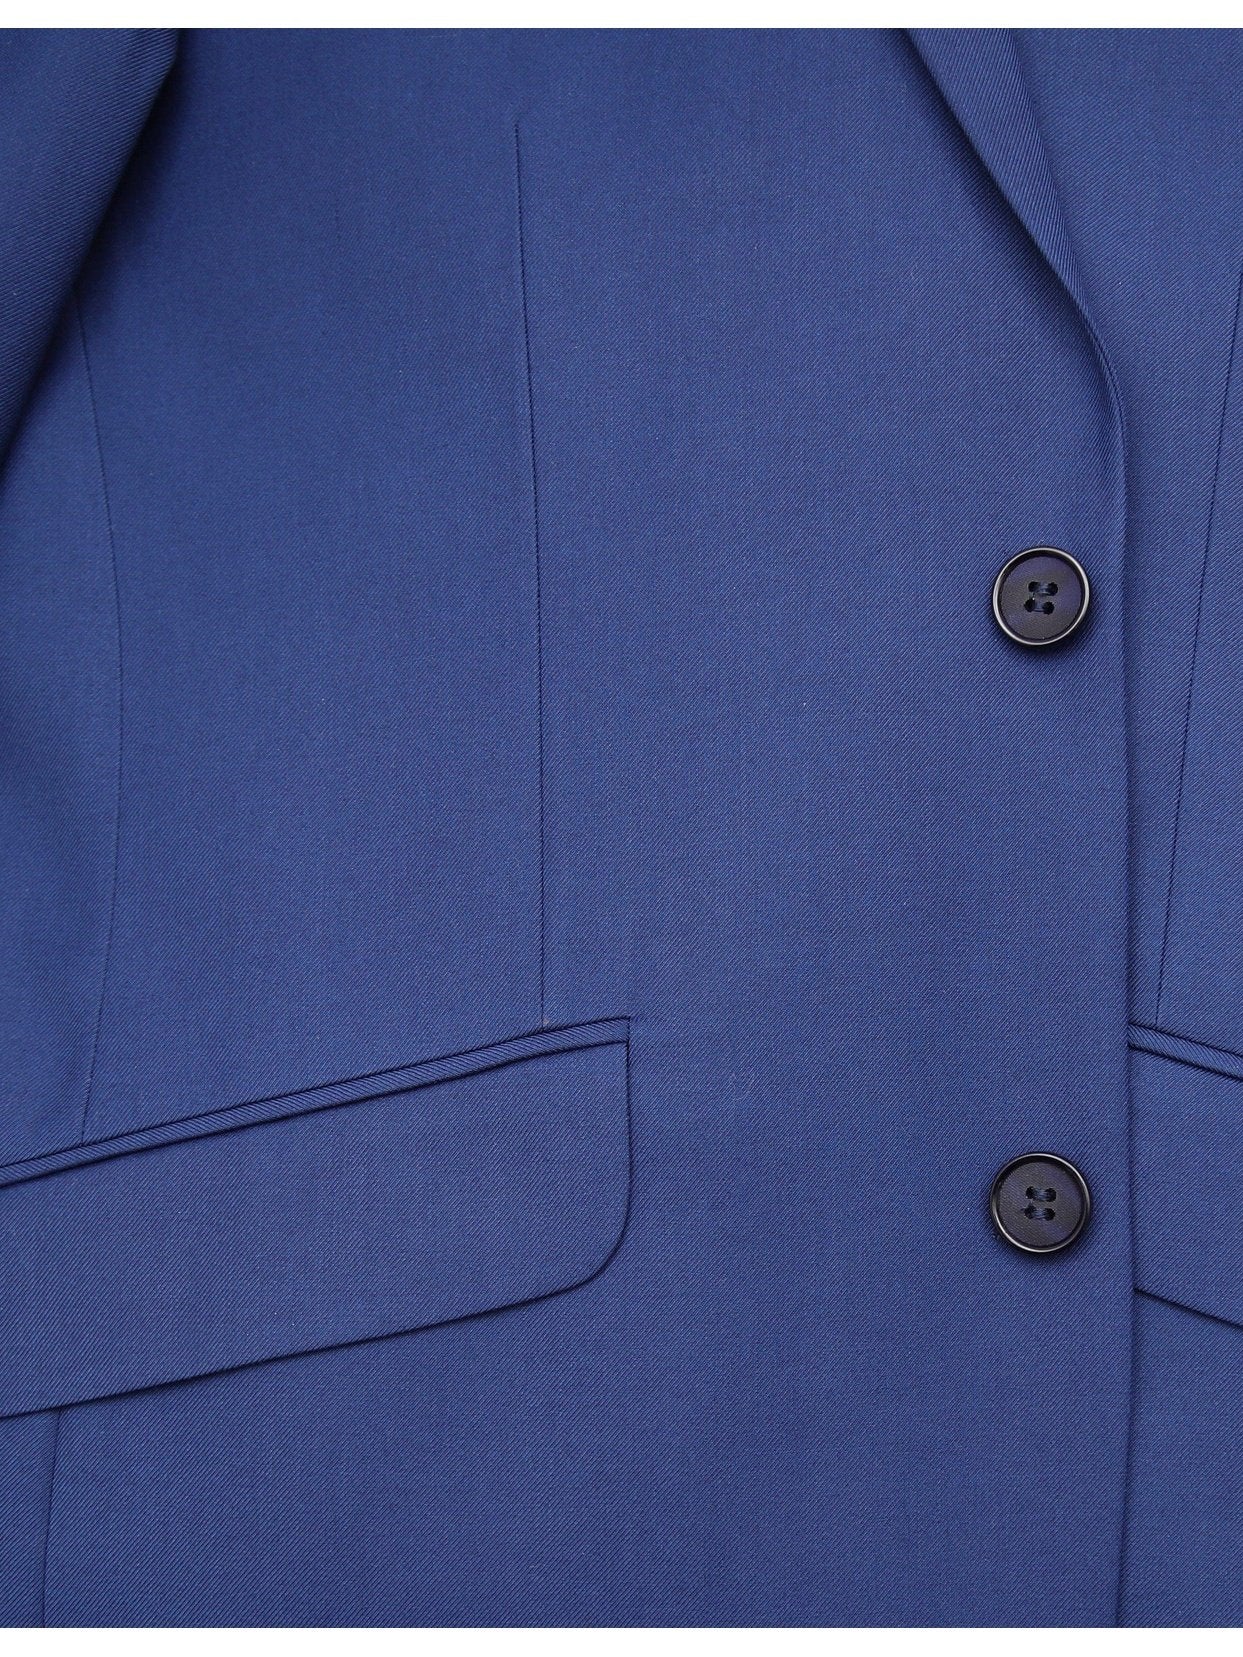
{"x":1040,"y":1203}
{"x":1041,"y":596}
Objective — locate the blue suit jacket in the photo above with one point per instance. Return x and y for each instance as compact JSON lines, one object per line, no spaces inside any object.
{"x":537,"y":897}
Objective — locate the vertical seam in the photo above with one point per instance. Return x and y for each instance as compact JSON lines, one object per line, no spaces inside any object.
{"x":535,"y":513}
{"x":1195,"y":650}
{"x":1128,"y":1444}
{"x":1128,"y":1470}
{"x":47,"y":1527}
{"x":116,"y":816}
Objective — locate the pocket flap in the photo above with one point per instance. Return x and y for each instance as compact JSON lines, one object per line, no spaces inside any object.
{"x":362,"y":1209}
{"x":1188,"y":1161}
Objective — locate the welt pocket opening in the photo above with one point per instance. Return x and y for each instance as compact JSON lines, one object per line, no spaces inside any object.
{"x":359,"y":1209}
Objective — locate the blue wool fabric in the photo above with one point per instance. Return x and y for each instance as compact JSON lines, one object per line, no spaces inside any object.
{"x":537,"y":897}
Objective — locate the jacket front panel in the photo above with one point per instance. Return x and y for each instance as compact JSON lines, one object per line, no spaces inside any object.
{"x":571,"y":898}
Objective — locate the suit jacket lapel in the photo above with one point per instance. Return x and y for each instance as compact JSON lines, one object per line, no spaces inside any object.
{"x":72,"y":103}
{"x":981,"y":79}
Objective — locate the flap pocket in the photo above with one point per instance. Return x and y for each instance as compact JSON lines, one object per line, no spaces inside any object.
{"x":1188,"y":1171}
{"x":362,"y":1209}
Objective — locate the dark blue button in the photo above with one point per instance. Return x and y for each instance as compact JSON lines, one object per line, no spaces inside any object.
{"x":1040,"y":1203}
{"x":1041,"y":596}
